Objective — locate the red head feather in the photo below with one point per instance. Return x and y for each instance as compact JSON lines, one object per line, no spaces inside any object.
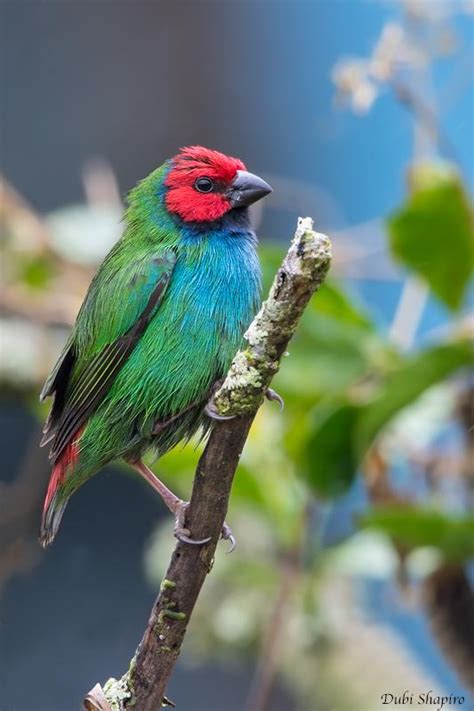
{"x":182,"y":197}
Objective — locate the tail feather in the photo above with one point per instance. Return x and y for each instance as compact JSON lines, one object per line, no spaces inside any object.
{"x":51,"y":519}
{"x":56,"y":495}
{"x":47,"y":437}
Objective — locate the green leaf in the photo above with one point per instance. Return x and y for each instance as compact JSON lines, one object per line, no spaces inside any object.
{"x":414,"y":528}
{"x":329,"y":457}
{"x":433,"y":233}
{"x":405,"y":385}
{"x":331,"y":300}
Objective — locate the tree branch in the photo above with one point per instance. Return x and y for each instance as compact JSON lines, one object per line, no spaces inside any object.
{"x":303,"y":270}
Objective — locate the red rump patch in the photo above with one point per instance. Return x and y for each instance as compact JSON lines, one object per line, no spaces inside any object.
{"x":189,"y":165}
{"x":61,"y":468}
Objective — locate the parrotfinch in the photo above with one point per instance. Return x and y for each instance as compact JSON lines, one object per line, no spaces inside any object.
{"x":159,"y":326}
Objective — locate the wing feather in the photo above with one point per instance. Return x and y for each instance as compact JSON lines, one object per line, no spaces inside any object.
{"x":79,"y":386}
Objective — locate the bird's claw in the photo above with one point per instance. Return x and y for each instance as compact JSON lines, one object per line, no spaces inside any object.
{"x":211,"y":411}
{"x":182,"y":533}
{"x":227,"y":535}
{"x":273,"y":395}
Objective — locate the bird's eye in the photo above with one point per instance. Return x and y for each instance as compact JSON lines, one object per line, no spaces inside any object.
{"x":204,"y":185}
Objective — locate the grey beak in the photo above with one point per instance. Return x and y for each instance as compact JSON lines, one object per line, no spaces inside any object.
{"x":247,"y":188}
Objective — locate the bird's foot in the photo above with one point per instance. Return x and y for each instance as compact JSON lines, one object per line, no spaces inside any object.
{"x":227,"y":535}
{"x":178,"y":507}
{"x":183,"y":534}
{"x":211,"y":411}
{"x":274,"y":396}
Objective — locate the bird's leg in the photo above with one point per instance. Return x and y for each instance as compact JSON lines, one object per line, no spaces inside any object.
{"x":178,"y":507}
{"x":211,"y":410}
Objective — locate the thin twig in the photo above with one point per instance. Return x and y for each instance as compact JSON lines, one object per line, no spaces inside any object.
{"x":301,"y":273}
{"x":426,"y":116}
{"x":263,"y":682}
{"x":409,"y":313}
{"x":291,"y":568}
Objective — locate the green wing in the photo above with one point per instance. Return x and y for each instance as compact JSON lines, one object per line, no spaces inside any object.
{"x":121,"y":301}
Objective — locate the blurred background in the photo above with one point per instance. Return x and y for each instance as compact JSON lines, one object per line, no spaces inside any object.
{"x":353,"y":508}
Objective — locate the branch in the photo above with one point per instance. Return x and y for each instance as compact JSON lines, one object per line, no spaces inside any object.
{"x":303,"y":270}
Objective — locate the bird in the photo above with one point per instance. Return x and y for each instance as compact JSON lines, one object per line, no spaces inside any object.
{"x":157,"y":330}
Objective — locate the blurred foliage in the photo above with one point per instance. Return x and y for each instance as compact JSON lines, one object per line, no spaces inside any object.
{"x":36,"y":272}
{"x":433,"y":233}
{"x":418,"y":527}
{"x":330,"y":456}
{"x":403,"y":386}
